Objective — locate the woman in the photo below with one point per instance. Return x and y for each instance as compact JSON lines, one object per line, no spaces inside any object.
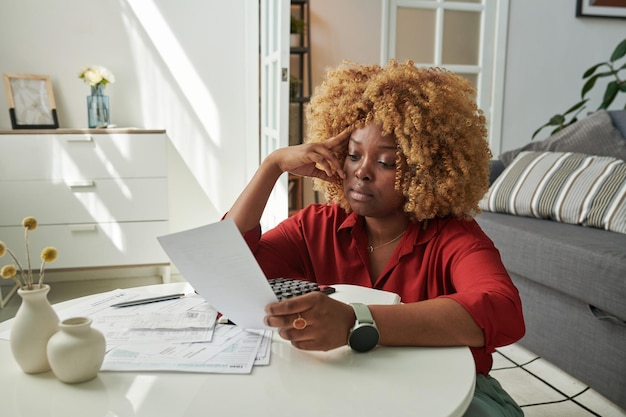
{"x":401,"y":156}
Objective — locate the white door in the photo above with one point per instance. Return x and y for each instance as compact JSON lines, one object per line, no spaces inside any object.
{"x":467,"y":37}
{"x":274,"y":62}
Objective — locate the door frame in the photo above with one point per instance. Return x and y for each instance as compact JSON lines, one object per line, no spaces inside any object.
{"x":274,"y":99}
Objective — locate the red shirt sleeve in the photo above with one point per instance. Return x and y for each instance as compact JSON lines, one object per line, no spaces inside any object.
{"x":483,"y":287}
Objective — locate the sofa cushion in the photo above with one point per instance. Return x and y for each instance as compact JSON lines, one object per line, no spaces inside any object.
{"x":586,"y":263}
{"x":618,"y":117}
{"x":593,"y":135}
{"x":495,"y":169}
{"x":567,"y":187}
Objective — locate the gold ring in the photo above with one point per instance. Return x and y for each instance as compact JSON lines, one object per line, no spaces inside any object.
{"x":299,"y":323}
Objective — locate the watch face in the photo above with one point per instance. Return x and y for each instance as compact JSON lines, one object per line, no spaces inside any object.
{"x":363,"y":338}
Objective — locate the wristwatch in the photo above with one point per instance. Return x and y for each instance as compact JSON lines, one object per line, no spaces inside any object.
{"x":364,"y":335}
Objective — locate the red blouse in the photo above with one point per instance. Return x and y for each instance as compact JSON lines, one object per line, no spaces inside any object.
{"x":451,"y":258}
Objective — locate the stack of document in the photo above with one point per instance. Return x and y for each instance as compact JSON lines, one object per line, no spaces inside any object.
{"x":181,"y":334}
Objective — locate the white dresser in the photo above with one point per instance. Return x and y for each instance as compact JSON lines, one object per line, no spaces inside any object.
{"x":99,"y":195}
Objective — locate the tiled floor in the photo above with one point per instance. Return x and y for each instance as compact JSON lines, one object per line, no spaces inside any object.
{"x":540,"y":388}
{"x":543,"y":390}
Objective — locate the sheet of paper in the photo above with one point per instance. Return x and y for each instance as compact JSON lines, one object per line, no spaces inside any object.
{"x":217,"y":262}
{"x":146,"y":323}
{"x":233,"y":351}
{"x":188,"y":319}
{"x":117,"y":330}
{"x":265,"y":350}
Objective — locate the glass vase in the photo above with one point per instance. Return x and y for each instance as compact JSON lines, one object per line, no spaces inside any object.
{"x":98,"y":107}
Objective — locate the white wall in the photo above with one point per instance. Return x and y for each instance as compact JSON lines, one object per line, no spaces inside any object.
{"x":183,"y":66}
{"x":548,"y":51}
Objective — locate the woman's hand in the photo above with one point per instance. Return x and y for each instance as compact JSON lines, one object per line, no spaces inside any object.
{"x":326,"y":324}
{"x":313,"y":159}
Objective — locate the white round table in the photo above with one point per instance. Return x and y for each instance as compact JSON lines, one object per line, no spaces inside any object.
{"x":428,"y":382}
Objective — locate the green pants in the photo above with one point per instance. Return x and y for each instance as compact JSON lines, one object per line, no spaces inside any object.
{"x":491,"y":400}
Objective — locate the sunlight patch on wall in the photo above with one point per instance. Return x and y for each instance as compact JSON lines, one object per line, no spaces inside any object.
{"x":174,"y":96}
{"x":177,"y":61}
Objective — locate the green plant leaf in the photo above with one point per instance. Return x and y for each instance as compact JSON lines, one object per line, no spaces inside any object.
{"x":556,"y":120}
{"x":592,"y":81}
{"x":609,"y":95}
{"x":558,"y":129}
{"x":539,"y":130}
{"x":622,"y":86}
{"x":576,"y":106}
{"x":619,"y":52}
{"x":593,"y":69}
{"x":588,"y":85}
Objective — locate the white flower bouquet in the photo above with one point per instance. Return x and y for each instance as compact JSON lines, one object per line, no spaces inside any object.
{"x":96,"y":75}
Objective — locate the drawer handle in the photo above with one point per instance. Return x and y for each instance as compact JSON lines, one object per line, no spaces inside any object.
{"x":82,"y":184}
{"x":82,"y":228}
{"x":86,"y":138}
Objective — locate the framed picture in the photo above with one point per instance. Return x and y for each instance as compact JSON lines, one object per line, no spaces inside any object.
{"x":601,"y":8}
{"x":31,"y":101}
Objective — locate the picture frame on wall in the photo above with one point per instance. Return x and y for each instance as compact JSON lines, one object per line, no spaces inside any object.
{"x":601,"y":8}
{"x":31,"y":101}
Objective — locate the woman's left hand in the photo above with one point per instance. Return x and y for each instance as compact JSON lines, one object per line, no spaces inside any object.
{"x":326,"y":324}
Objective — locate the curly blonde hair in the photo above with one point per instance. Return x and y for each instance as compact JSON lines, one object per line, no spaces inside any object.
{"x":438,"y":128}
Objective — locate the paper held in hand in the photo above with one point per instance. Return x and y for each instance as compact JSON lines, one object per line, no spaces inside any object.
{"x":218,"y":264}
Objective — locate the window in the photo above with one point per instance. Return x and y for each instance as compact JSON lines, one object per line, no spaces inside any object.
{"x":467,"y":37}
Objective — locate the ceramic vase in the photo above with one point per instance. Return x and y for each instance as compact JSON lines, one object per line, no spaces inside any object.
{"x":98,"y":107}
{"x":33,"y":325}
{"x":76,"y":351}
{"x":294,"y":40}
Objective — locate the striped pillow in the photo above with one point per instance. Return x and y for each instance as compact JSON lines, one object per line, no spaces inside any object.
{"x":567,"y":187}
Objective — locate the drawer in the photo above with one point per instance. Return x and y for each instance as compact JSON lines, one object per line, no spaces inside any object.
{"x":91,"y":245}
{"x":72,"y":156}
{"x":84,"y":201}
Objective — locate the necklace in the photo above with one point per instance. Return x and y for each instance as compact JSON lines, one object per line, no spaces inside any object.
{"x":371,"y":248}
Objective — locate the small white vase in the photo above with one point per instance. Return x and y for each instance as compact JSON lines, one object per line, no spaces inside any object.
{"x":33,"y":325}
{"x":76,"y":351}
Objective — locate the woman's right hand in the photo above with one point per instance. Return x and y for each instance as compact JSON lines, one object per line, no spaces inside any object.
{"x":313,"y":159}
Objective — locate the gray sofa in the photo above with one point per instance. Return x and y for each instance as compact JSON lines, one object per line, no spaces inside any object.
{"x":571,"y":277}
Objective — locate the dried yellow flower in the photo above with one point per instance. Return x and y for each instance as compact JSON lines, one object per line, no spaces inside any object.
{"x":48,"y":254}
{"x":25,"y":278}
{"x":29,"y":223}
{"x":8,"y":271}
